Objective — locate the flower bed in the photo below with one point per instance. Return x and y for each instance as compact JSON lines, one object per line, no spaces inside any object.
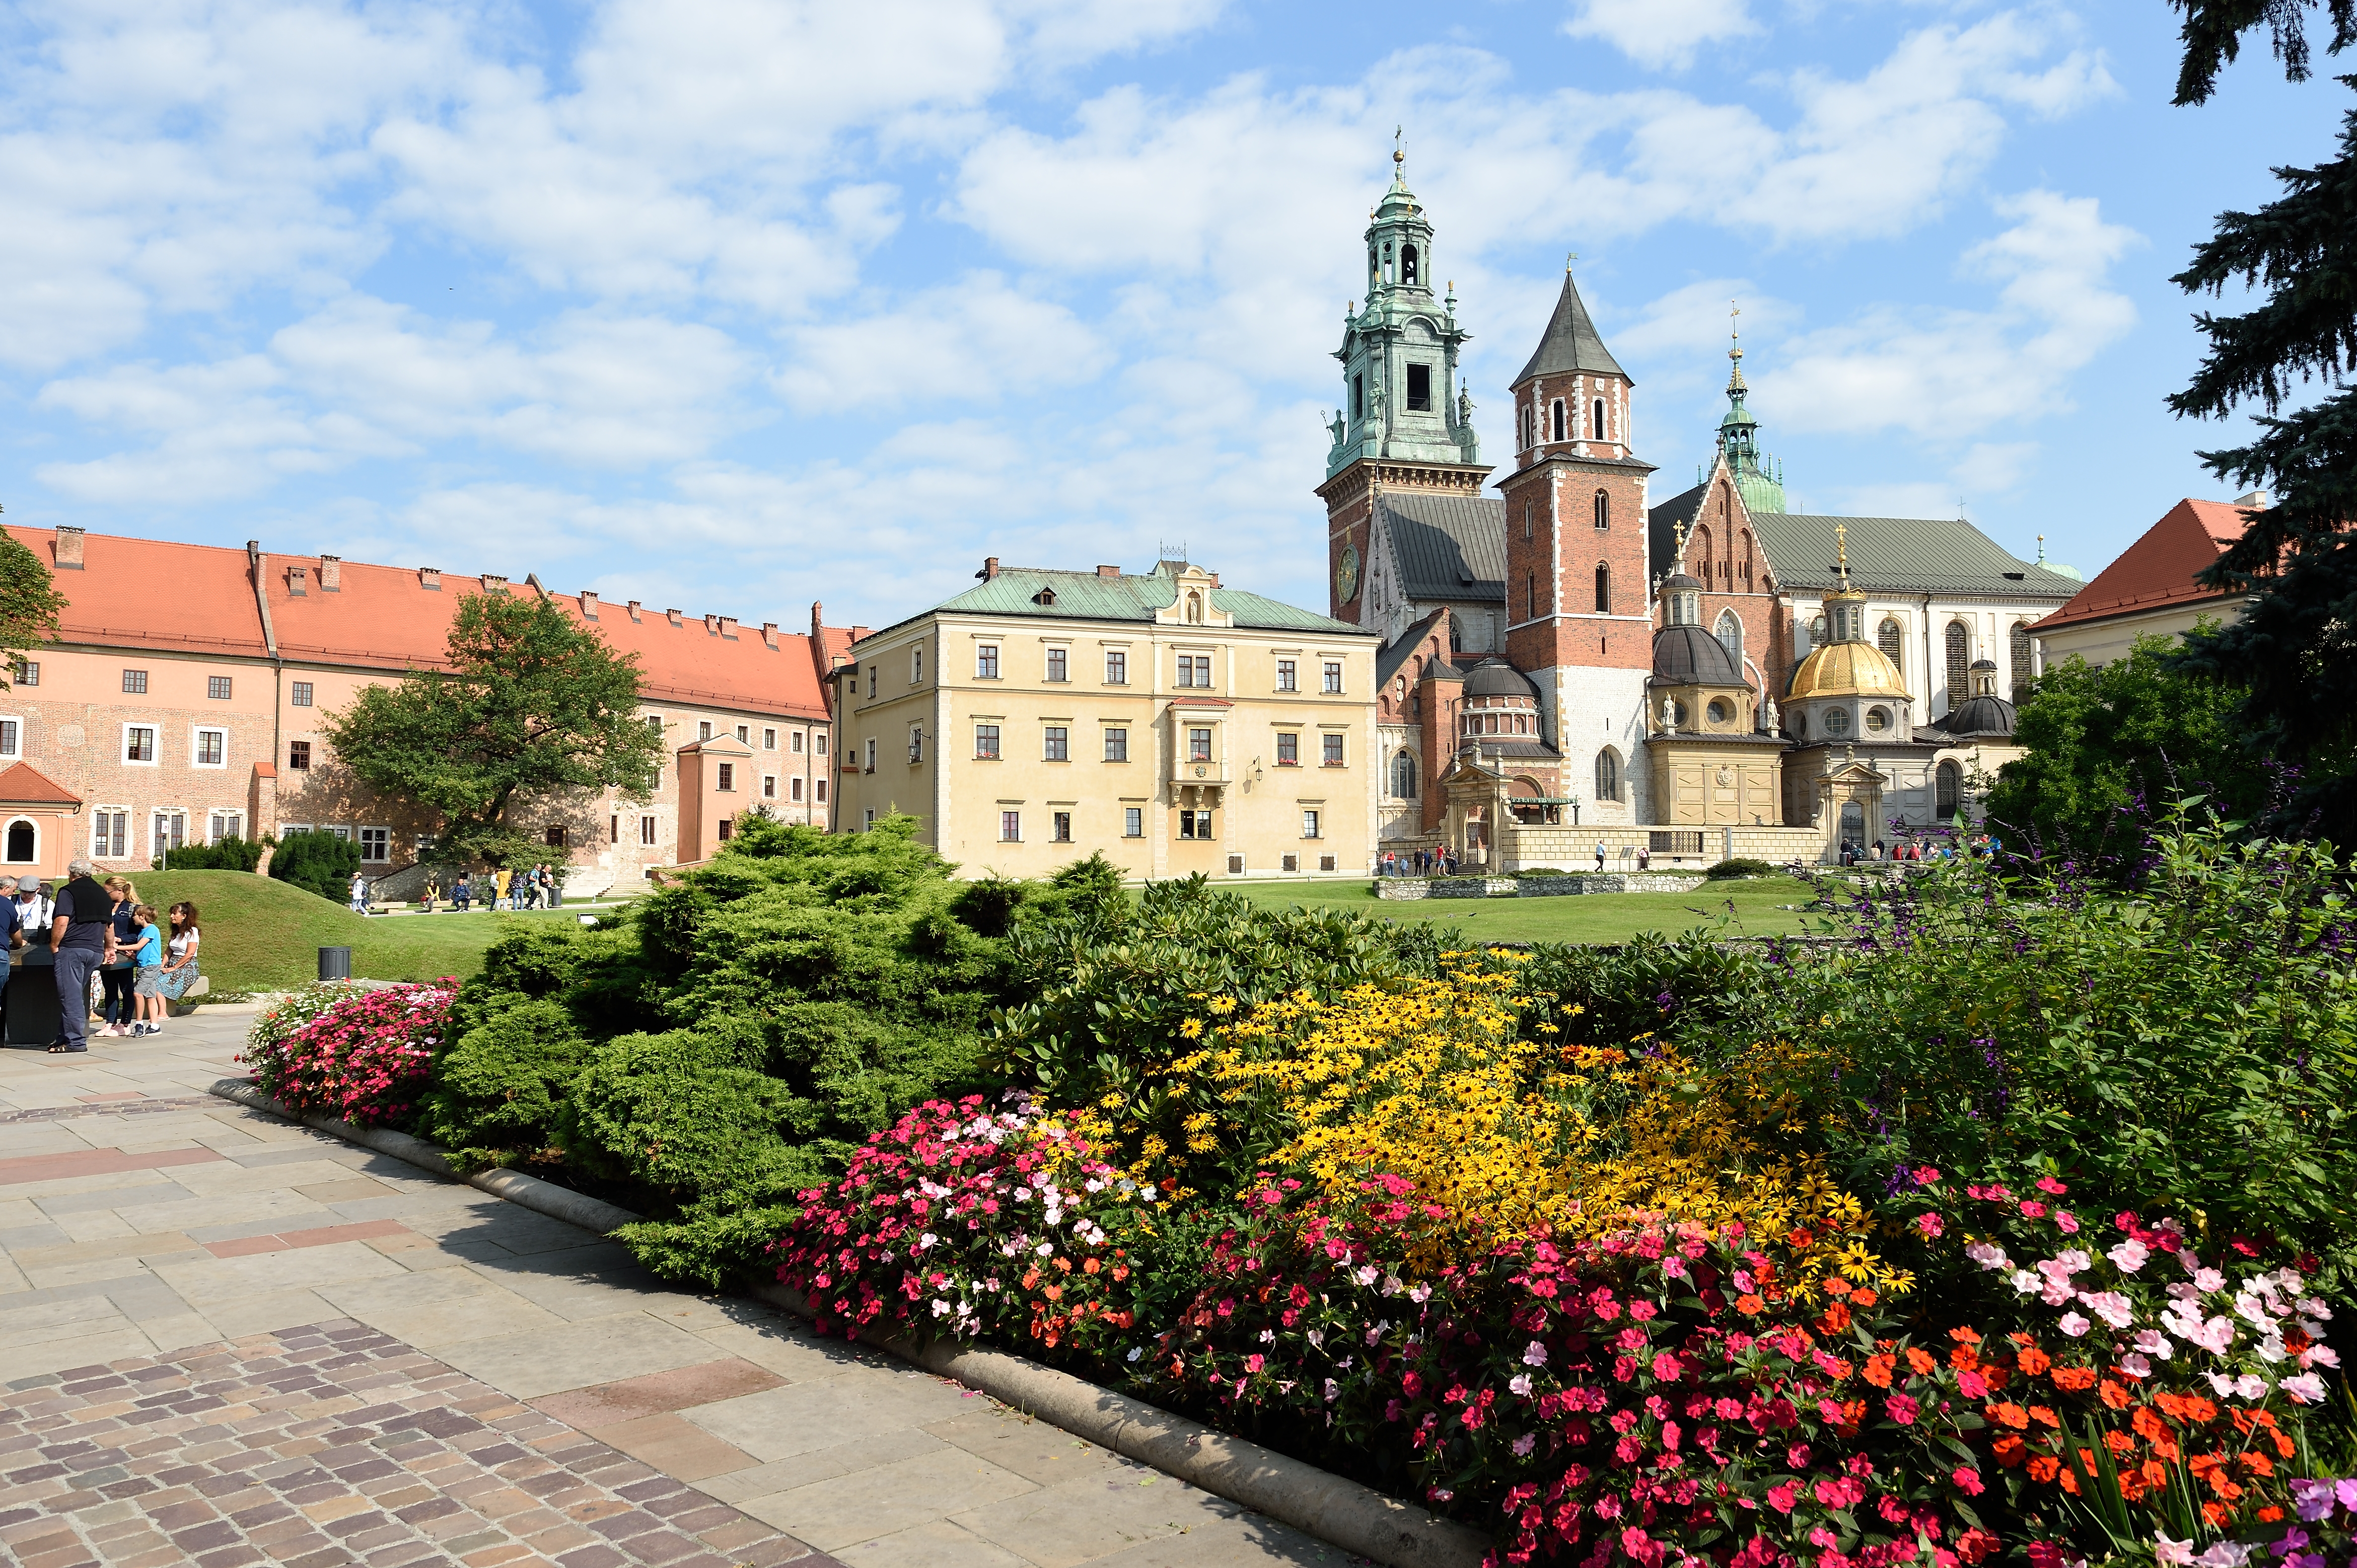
{"x":363,"y":1056}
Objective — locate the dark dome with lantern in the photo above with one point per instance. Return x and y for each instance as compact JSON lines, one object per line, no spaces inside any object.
{"x":1495,"y":678}
{"x":1689,"y":655}
{"x":1984,"y":716}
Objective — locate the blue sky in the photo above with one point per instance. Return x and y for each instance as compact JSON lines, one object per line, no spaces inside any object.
{"x":730,"y":306}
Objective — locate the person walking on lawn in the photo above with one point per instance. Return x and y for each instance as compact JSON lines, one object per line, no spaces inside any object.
{"x":77,"y":936}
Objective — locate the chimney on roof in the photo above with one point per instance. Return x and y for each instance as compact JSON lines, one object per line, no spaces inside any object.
{"x":494,"y":583}
{"x":2257,"y":500}
{"x":331,"y":574}
{"x":68,"y":549}
{"x":673,"y":616}
{"x":298,"y":582}
{"x":818,"y":624}
{"x":430,"y":579}
{"x":728,"y":627}
{"x":989,"y":568}
{"x":769,"y":634}
{"x":588,"y":604}
{"x":634,"y":609}
{"x":1108,"y":571}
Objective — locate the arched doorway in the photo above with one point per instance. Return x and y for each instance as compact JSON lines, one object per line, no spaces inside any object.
{"x":1947,"y":791}
{"x":1853,"y":823}
{"x":23,"y":845}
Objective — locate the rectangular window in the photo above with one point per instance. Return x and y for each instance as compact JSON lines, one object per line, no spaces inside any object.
{"x":1288,"y":750}
{"x":727,"y":782}
{"x":916,"y":744}
{"x":917,"y":665}
{"x":1309,"y":824}
{"x":654,"y":722}
{"x":171,"y":832}
{"x":1059,"y":666}
{"x":1333,"y":751}
{"x":1419,"y":388}
{"x":822,"y":791}
{"x":869,"y":816}
{"x":871,"y":755}
{"x":216,"y":688}
{"x":1116,"y":745}
{"x":703,"y":730}
{"x":1058,"y":744}
{"x":646,"y":829}
{"x":818,"y":743}
{"x":9,"y":735}
{"x":985,"y":662}
{"x":794,"y":743}
{"x":614,"y":828}
{"x":1132,"y":822}
{"x":1063,"y":827}
{"x":1117,"y":667}
{"x":986,"y":740}
{"x":1358,"y":397}
{"x":1199,"y":745}
{"x":224,"y":825}
{"x":1285,"y":676}
{"x":1195,"y":669}
{"x":1194,"y":824}
{"x":212,"y":748}
{"x":770,"y":740}
{"x":28,"y":673}
{"x":300,"y":695}
{"x":138,"y":743}
{"x":744,"y":735}
{"x":727,"y":828}
{"x":872,"y":668}
{"x":795,"y":788}
{"x":376,"y":845}
{"x":1333,"y":677}
{"x":768,"y":786}
{"x":556,"y":838}
{"x":298,"y":754}
{"x":109,"y":836}
{"x":1010,"y":827}
{"x":135,"y":683}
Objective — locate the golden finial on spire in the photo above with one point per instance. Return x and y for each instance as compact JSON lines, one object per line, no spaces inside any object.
{"x":1734,"y":337}
{"x":1841,"y":553}
{"x":1679,"y":529}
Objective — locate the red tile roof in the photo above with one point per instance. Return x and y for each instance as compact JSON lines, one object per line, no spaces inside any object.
{"x":25,"y":785}
{"x":2159,"y":569}
{"x":141,"y":592}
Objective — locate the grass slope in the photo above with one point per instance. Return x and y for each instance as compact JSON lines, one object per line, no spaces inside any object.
{"x":262,"y":934}
{"x":1587,"y":917}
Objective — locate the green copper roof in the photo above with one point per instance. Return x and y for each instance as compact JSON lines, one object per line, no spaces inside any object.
{"x":1085,"y":596}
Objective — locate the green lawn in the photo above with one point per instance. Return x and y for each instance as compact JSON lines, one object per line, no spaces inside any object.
{"x":262,"y":934}
{"x":1586,"y":918}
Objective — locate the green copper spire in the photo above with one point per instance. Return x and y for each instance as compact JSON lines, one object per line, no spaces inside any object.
{"x":1758,"y":477}
{"x":1399,"y":354}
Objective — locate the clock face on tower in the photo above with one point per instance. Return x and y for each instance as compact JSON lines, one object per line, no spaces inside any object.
{"x":1346,"y":576}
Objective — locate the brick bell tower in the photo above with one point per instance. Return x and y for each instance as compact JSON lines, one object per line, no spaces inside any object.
{"x":1579,"y":612}
{"x":1399,"y":427}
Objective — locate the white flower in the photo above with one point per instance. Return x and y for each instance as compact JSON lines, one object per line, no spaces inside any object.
{"x":1045,"y":1249}
{"x":2223,"y":1385}
{"x":2076,"y":1325}
{"x":1423,"y":1293}
{"x":1988,"y":1255}
{"x":2152,"y":1343}
{"x":1268,"y":1335}
{"x":941,"y":1307}
{"x":1534,"y":1353}
{"x":2209,"y":1280}
{"x":1317,"y":1338}
{"x":2315,"y":1308}
{"x":1368,"y":1274}
{"x":1525,"y":1443}
{"x":2304,"y":1389}
{"x":927,"y":1240}
{"x":2251,"y":1386}
{"x":2129,"y":1255}
{"x":1521,"y":1383}
{"x":2110,"y":1305}
{"x":2134,"y":1365}
{"x":2224,"y":1555}
{"x":2319,"y":1356}
{"x":2271,"y":1347}
{"x":1135,"y":1353}
{"x":2025,"y":1282}
{"x":1391,"y":1285}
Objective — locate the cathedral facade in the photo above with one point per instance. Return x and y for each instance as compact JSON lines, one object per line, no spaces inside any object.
{"x":1566,"y":656}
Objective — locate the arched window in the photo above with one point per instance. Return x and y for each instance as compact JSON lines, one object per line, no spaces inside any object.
{"x":1745,"y":552}
{"x":1603,"y":509}
{"x":1729,"y":631}
{"x":1598,"y":433}
{"x":1889,"y":637}
{"x":1407,"y":264}
{"x":1404,"y":775}
{"x":1603,"y":589}
{"x":2024,"y":664}
{"x":1195,"y":607}
{"x":24,"y":843}
{"x":1527,"y":522}
{"x":1558,"y":419}
{"x":1698,"y":550}
{"x":1960,"y":654}
{"x":1608,"y":775}
{"x":1947,"y":791}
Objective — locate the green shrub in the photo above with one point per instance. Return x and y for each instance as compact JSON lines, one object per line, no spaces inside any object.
{"x":317,"y":861}
{"x":1727,"y":869}
{"x":229,"y":854}
{"x":1541,"y":871}
{"x":496,"y":1089}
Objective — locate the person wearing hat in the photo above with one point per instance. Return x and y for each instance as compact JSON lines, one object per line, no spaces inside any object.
{"x":32,"y":908}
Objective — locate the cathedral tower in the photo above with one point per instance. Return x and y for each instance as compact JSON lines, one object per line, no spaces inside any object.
{"x":1403,"y":424}
{"x":1578,"y":607}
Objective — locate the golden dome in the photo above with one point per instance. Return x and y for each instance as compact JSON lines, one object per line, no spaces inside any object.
{"x":1847,"y":670}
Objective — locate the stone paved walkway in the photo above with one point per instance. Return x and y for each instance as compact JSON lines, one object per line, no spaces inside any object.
{"x":225,"y":1338}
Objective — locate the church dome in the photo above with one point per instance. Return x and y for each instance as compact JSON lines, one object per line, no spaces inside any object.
{"x":1496,"y":678}
{"x":1687,"y":655}
{"x":1980,"y":718}
{"x":1847,"y":670}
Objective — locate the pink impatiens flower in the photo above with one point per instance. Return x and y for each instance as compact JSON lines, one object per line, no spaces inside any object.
{"x":2076,"y":1325}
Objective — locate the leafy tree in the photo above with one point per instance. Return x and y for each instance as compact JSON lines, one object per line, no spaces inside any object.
{"x":317,"y":861}
{"x":532,"y":706}
{"x":2101,"y":741}
{"x":2295,"y":649}
{"x":29,"y":605}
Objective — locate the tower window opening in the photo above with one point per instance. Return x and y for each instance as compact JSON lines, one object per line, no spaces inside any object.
{"x":1599,"y":433}
{"x":1387,"y":263}
{"x":1558,"y":419}
{"x":1407,"y":264}
{"x":1603,"y":509}
{"x":1526,"y":522}
{"x":1419,"y":383}
{"x":1531,"y":594}
{"x":1603,"y":589}
{"x":1359,"y":396}
{"x":1960,"y":653}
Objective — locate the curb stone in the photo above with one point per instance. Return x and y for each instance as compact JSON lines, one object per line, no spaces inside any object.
{"x":1341,"y":1512}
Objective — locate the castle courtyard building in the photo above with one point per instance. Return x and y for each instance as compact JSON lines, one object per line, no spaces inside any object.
{"x":1171,"y":723}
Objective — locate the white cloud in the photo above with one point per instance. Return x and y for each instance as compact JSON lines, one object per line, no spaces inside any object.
{"x":1956,"y":373}
{"x":966,"y":344}
{"x":1660,"y":33}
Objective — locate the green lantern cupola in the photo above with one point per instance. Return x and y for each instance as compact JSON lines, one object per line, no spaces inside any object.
{"x":1399,"y":355}
{"x":1758,"y":477}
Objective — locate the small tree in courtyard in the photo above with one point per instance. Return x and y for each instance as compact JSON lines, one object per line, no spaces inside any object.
{"x":29,"y":604}
{"x":532,"y":706}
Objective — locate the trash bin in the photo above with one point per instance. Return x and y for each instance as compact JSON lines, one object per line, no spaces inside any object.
{"x":334,"y":963}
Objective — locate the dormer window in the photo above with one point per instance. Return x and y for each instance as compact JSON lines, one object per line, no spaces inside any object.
{"x":1419,"y":385}
{"x":1045,"y":598}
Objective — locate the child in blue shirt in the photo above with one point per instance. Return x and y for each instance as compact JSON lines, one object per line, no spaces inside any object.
{"x":147,"y":970}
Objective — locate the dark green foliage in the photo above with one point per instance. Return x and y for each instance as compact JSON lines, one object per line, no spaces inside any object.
{"x":1727,"y":869}
{"x":498,"y":1089}
{"x":2102,"y":744}
{"x":318,"y":861}
{"x":1689,"y":989}
{"x":229,"y":855}
{"x":532,"y":706}
{"x":2212,"y":36}
{"x":29,"y":605}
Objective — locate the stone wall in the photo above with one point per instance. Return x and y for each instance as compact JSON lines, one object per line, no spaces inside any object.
{"x":1569,"y":848}
{"x":1530,"y":886}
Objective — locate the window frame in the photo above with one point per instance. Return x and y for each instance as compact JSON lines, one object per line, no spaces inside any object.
{"x":217,"y":688}
{"x":1311,"y":822}
{"x":304,"y":766}
{"x":1058,"y":665}
{"x":768,"y":740}
{"x":724,"y":778}
{"x":197,"y":734}
{"x":987,"y":662}
{"x":99,"y":817}
{"x":1289,"y":675}
{"x":1117,"y":667}
{"x":229,"y":814}
{"x":1330,"y":680}
{"x":27,"y":672}
{"x":301,"y":694}
{"x":12,"y":745}
{"x":987,"y":743}
{"x":384,"y":837}
{"x":648,"y":838}
{"x":1055,"y":743}
{"x":155,"y":750}
{"x":10,"y":828}
{"x":1116,"y":743}
{"x":1288,"y":749}
{"x":1059,"y":827}
{"x":1330,"y":752}
{"x":1132,"y":822}
{"x":1010,"y":827}
{"x":134,"y":683}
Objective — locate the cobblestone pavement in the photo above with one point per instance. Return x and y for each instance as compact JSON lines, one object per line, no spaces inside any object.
{"x":226,"y":1338}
